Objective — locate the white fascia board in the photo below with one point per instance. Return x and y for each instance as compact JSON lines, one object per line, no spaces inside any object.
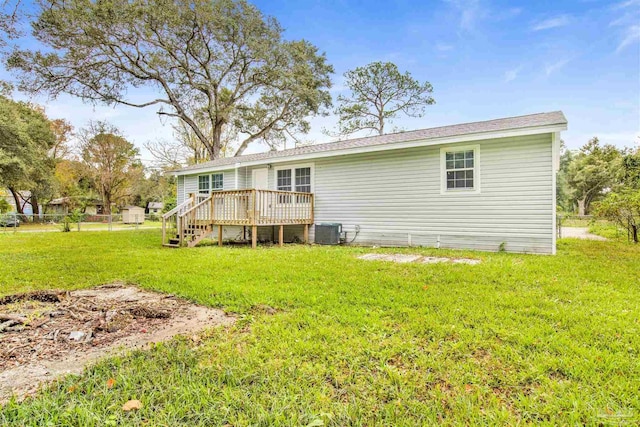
{"x":386,"y":147}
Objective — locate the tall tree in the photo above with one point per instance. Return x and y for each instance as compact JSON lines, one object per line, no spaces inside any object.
{"x":111,"y":159}
{"x":63,"y":132}
{"x":593,"y":171}
{"x":25,"y":140}
{"x":220,"y":57}
{"x":379,"y":93}
{"x":75,"y":182}
{"x":564,"y":196}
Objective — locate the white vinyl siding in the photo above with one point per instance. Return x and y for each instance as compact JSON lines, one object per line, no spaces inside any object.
{"x":395,"y":197}
{"x":180,"y":190}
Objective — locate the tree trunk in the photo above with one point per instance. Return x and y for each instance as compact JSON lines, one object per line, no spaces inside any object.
{"x":35,"y":207}
{"x":106,"y":199}
{"x":634,"y":233}
{"x":34,"y":204}
{"x":581,"y":206}
{"x":16,"y":198}
{"x":214,"y":152}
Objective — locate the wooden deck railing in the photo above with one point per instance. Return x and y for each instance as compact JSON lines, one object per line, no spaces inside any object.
{"x":261,"y":207}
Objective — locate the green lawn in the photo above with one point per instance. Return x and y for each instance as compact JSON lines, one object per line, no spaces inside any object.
{"x":517,"y":339}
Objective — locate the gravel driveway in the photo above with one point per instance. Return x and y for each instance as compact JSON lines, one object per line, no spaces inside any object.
{"x":579,"y":233}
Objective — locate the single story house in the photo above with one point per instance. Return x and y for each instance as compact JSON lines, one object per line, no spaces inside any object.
{"x":487,"y":185}
{"x":155,"y":208}
{"x":63,"y":205}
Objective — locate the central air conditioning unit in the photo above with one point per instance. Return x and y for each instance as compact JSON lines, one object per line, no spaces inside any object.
{"x":328,"y":233}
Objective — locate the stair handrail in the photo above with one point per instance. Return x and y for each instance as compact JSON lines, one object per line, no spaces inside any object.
{"x":190,"y":214}
{"x":180,"y":208}
{"x":193,"y":208}
{"x":174,"y":212}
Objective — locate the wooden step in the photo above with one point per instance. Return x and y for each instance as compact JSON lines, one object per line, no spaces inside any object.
{"x":170,"y":245}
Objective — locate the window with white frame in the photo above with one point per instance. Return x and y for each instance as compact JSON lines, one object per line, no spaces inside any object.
{"x":284,"y":180}
{"x":303,"y":180}
{"x":204,"y":184}
{"x":209,"y":183}
{"x":459,"y":169}
{"x":294,"y":179}
{"x":217,"y":179}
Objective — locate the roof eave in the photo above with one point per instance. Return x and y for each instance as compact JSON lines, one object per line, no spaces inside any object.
{"x":534,"y":130}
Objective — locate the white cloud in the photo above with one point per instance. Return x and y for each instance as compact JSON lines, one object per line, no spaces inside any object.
{"x":626,"y":4}
{"x":511,"y":75}
{"x":503,"y":15}
{"x":555,"y":22}
{"x":443,"y":47}
{"x":556,"y":66}
{"x":632,"y":35}
{"x":470,"y":12}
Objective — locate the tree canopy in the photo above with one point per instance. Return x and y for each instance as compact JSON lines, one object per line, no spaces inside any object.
{"x":111,"y":160}
{"x":26,"y":138}
{"x":593,"y":170}
{"x":623,"y":208}
{"x":221,"y":59}
{"x":379,"y":93}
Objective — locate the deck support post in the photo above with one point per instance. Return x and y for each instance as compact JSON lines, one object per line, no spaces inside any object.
{"x":219,"y":235}
{"x":281,"y":235}
{"x":254,"y":236}
{"x":306,"y":233}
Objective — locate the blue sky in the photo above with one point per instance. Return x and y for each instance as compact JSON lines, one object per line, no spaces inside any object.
{"x":485,"y":59}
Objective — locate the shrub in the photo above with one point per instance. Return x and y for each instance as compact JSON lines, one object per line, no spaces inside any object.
{"x":623,"y":208}
{"x":4,"y":206}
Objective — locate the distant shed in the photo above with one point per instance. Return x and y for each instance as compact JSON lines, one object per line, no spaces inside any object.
{"x":132,"y":215}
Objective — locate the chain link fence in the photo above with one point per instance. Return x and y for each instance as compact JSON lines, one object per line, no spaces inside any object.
{"x":20,"y":223}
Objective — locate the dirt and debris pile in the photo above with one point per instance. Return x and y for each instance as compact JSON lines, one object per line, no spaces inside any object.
{"x":47,"y":333}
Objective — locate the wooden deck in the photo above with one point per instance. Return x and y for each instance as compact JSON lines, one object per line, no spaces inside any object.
{"x":197,"y":216}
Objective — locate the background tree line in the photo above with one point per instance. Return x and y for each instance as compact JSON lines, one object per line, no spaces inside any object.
{"x":42,"y":159}
{"x":602,"y":180}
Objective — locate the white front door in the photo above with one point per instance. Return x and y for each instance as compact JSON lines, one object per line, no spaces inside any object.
{"x":260,"y":178}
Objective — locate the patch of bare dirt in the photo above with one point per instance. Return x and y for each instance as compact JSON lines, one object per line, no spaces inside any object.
{"x":46,"y":334}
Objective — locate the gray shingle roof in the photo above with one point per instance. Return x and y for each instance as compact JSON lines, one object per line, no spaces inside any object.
{"x":510,"y":123}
